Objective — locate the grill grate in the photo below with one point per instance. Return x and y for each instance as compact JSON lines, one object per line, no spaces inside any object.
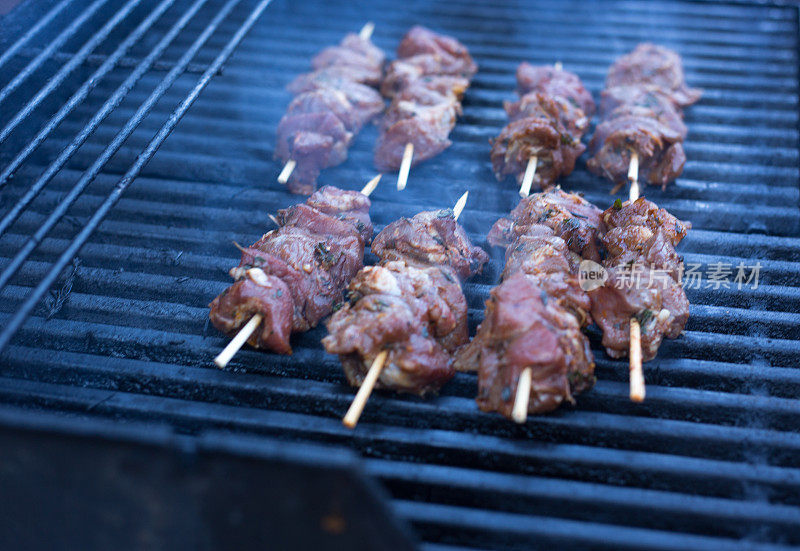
{"x":710,"y":460}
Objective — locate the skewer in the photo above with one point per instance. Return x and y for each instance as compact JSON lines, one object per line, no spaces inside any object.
{"x":527,"y":180}
{"x":405,"y":166}
{"x":636,"y":375}
{"x":244,"y":333}
{"x":460,"y":204}
{"x":371,"y":185}
{"x":360,"y":401}
{"x":351,"y":418}
{"x":238,"y":341}
{"x":520,"y":412}
{"x":288,"y":168}
{"x":558,"y":66}
{"x":633,"y":176}
{"x":366,"y":31}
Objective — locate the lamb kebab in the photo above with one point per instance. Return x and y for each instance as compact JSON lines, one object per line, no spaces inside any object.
{"x":294,"y":276}
{"x":408,"y":314}
{"x":543,"y":138}
{"x":642,"y":129}
{"x":330,"y":107}
{"x":529,"y":351}
{"x":425,"y":83}
{"x":635,"y":242}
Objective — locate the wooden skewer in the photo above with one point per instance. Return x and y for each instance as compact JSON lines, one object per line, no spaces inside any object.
{"x":520,"y":412}
{"x":238,"y":341}
{"x":371,"y":185}
{"x":366,"y":31}
{"x":274,"y":219}
{"x":351,"y":418}
{"x":527,"y":180}
{"x":558,"y":66}
{"x":460,"y":204}
{"x":636,"y":374}
{"x":405,"y":166}
{"x":633,"y":176}
{"x":288,"y":168}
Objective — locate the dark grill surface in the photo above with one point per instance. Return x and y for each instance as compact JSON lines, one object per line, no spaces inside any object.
{"x":710,"y":460}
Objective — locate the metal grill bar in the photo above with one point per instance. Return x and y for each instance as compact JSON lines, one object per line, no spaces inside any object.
{"x":110,"y":104}
{"x":79,"y":96}
{"x":67,"y":256}
{"x":65,"y":35}
{"x":30,"y":33}
{"x":56,"y":80}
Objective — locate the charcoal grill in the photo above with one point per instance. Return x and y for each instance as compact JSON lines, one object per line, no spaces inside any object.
{"x":147,"y":127}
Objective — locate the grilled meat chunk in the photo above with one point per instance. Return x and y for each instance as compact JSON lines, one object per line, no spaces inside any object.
{"x":295,"y":275}
{"x":411,"y":305}
{"x":433,"y":238}
{"x":575,"y":220}
{"x":256,"y":293}
{"x":548,"y":122}
{"x":524,"y":328}
{"x":650,"y":64}
{"x":331,"y":105}
{"x":641,"y":110}
{"x":426,"y":82}
{"x":661,"y":156}
{"x":554,"y":82}
{"x":642,"y":101}
{"x":644,"y":278}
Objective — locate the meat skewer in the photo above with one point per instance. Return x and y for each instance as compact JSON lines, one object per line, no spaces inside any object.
{"x":330,"y":107}
{"x":548,"y":236}
{"x":542,"y":141}
{"x":426,"y":84}
{"x":531,"y":337}
{"x":294,"y":276}
{"x":408,"y":314}
{"x":642,"y":128}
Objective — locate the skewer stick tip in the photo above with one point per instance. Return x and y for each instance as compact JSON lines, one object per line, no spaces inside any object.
{"x":633,"y":176}
{"x":520,"y":412}
{"x":274,"y":219}
{"x":405,"y":166}
{"x":558,"y":66}
{"x":366,"y":31}
{"x":354,"y":413}
{"x":288,"y":168}
{"x":238,"y":341}
{"x":371,"y":185}
{"x":460,"y":204}
{"x":527,"y":180}
{"x":637,"y":389}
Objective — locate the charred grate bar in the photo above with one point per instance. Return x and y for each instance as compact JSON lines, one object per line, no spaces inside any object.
{"x":710,"y":460}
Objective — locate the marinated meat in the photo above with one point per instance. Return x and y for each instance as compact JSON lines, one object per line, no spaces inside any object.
{"x":534,"y":317}
{"x":575,"y":220}
{"x":426,"y":82}
{"x":641,"y":111}
{"x":410,"y":304}
{"x":554,"y":82}
{"x":332,"y":104}
{"x":661,"y":156}
{"x":523,"y":328}
{"x":644,"y":278}
{"x":650,"y":64}
{"x":295,"y":275}
{"x":547,"y":122}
